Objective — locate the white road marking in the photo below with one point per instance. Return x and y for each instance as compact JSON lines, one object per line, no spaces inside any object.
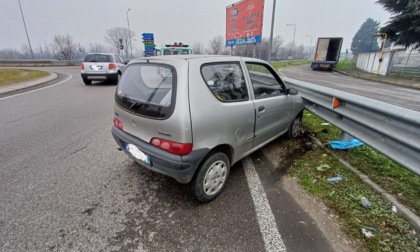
{"x":36,"y":90}
{"x":265,"y":217}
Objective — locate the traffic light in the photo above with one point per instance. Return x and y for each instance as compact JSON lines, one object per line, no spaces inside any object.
{"x":121,"y":47}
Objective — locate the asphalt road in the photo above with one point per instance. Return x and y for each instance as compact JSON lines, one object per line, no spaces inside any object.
{"x":397,"y":95}
{"x":65,"y":186}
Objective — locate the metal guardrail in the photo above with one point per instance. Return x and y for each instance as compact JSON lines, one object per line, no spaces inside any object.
{"x":40,"y":62}
{"x":394,"y":131}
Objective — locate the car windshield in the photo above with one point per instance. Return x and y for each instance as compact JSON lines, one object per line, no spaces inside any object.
{"x":97,"y":58}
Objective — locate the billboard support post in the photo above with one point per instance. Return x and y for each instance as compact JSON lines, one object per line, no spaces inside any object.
{"x":271,"y":33}
{"x":255,"y":50}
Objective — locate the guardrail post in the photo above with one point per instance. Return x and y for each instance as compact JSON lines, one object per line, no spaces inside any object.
{"x":346,"y":137}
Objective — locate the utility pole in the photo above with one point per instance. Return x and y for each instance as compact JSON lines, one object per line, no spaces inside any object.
{"x":271,"y":33}
{"x":129,"y":34}
{"x":24,"y":24}
{"x":294,"y":33}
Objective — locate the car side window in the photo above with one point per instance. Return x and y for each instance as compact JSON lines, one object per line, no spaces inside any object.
{"x":117,"y":59}
{"x":265,"y":82}
{"x":226,"y":81}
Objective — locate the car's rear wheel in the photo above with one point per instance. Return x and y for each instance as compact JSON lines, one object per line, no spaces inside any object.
{"x":296,"y":126}
{"x":87,"y":82}
{"x":210,"y":178}
{"x":117,"y":80}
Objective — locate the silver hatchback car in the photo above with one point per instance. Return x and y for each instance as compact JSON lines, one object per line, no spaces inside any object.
{"x":191,"y":117}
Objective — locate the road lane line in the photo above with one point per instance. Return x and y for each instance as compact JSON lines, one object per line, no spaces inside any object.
{"x":265,"y":217}
{"x":36,"y":90}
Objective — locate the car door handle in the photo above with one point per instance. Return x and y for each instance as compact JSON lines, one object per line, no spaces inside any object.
{"x":261,"y":109}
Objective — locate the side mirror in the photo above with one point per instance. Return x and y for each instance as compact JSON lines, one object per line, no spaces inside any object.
{"x":126,"y":62}
{"x":292,"y":91}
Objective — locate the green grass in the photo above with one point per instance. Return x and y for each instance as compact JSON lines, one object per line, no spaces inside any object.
{"x":277,"y":65}
{"x":9,"y":76}
{"x":345,"y":64}
{"x":393,"y":231}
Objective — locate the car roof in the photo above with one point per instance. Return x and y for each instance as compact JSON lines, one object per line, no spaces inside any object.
{"x":100,"y":54}
{"x":194,"y":56}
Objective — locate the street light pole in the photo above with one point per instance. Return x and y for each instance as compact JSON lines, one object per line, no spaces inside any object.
{"x":129,"y":34}
{"x":271,"y":33}
{"x":310,"y":45}
{"x":294,"y":33}
{"x":24,"y":24}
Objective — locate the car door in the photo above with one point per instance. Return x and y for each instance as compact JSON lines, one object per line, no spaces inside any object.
{"x":272,"y":106}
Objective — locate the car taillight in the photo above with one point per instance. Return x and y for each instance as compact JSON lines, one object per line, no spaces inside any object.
{"x":118,"y":123}
{"x":82,"y":66}
{"x":112,"y":66}
{"x":172,"y":147}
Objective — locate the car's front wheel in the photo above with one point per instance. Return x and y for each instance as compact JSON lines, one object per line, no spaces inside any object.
{"x":296,"y":126}
{"x":210,"y":178}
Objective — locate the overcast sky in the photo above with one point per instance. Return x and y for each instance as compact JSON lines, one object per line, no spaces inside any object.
{"x":186,"y":21}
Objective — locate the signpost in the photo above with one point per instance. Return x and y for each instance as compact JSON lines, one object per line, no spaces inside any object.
{"x":149,"y":44}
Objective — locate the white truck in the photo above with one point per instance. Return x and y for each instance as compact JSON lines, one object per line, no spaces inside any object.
{"x":327,"y":53}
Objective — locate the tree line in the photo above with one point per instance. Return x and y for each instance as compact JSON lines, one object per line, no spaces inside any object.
{"x":63,"y":47}
{"x":402,"y":29}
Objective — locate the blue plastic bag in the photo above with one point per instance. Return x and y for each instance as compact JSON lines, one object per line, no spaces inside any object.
{"x":344,"y":145}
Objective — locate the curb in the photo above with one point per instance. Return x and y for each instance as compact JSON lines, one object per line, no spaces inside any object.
{"x":376,"y":80}
{"x":22,"y":85}
{"x":413,"y":219}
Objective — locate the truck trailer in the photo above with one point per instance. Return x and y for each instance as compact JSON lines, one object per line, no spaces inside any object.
{"x":327,"y":53}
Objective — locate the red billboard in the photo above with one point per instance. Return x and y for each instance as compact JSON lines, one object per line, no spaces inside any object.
{"x":244,"y":22}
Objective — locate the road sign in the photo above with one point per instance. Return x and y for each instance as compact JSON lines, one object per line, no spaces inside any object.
{"x":148,"y":36}
{"x":149,"y":45}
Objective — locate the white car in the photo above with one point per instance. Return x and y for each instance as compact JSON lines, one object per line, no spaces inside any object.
{"x":102,"y":66}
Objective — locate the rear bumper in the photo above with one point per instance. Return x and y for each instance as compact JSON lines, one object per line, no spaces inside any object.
{"x":181,"y":168}
{"x":323,"y":65}
{"x":100,"y":76}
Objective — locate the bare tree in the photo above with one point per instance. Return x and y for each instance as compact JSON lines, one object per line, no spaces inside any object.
{"x":63,"y":47}
{"x":198,"y":48}
{"x":277,"y":46}
{"x":26,"y":52}
{"x":10,"y":54}
{"x":99,"y":48}
{"x":48,"y":54}
{"x":217,"y":46}
{"x":300,"y":52}
{"x":244,"y":50}
{"x":113,"y":36}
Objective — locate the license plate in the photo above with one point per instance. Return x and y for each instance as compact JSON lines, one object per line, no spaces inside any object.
{"x":95,"y":67}
{"x":138,"y":154}
{"x":324,"y":65}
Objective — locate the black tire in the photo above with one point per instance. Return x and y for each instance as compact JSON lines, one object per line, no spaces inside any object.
{"x":295,"y":127}
{"x":117,"y":79}
{"x":87,"y":82}
{"x":210,"y":178}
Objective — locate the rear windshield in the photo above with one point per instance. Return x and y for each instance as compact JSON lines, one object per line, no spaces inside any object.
{"x":97,"y":58}
{"x":147,"y":90}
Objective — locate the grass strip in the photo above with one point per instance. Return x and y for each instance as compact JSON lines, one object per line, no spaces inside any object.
{"x":10,"y":76}
{"x":393,"y":232}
